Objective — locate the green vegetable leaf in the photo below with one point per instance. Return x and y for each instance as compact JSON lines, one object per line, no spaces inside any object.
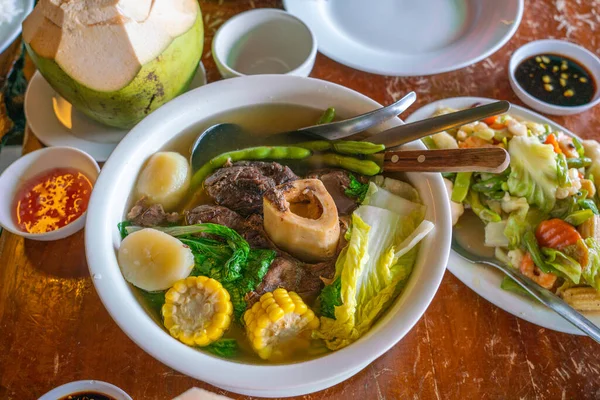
{"x":591,"y":272}
{"x":534,"y":250}
{"x":579,"y":217}
{"x":356,"y":189}
{"x":565,"y":265}
{"x":155,"y":300}
{"x":533,"y":171}
{"x":511,"y":286}
{"x":521,"y":221}
{"x":226,"y":348}
{"x":122,"y":226}
{"x":330,"y":298}
{"x":230,"y":261}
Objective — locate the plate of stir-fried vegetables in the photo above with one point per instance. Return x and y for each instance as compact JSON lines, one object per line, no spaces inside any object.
{"x":541,"y":216}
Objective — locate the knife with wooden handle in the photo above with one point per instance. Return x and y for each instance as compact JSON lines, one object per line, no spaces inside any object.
{"x":484,"y":159}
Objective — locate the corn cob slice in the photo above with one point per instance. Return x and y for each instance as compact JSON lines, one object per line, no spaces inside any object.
{"x":279,"y":324}
{"x":197,"y":310}
{"x":582,"y":298}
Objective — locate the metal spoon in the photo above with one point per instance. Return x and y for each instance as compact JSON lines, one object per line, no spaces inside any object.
{"x":545,"y":296}
{"x":407,"y":133}
{"x":220,"y":138}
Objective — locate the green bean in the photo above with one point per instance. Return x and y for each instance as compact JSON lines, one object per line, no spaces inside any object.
{"x":579,"y":162}
{"x":350,"y":147}
{"x":316,"y":145}
{"x":534,"y":250}
{"x":327,"y":116}
{"x":588,"y":204}
{"x":353,"y":147}
{"x":429,"y":143}
{"x":364,"y":167}
{"x":484,"y":213}
{"x":579,"y":147}
{"x":461,"y":186}
{"x":579,"y":217}
{"x":252,"y":153}
{"x":489,"y":185}
{"x":562,"y":170}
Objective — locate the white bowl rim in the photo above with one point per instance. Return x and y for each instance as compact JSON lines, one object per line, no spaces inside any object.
{"x":138,"y":325}
{"x":275,"y":12}
{"x":528,"y":50}
{"x":83,"y":385}
{"x":68,"y":229}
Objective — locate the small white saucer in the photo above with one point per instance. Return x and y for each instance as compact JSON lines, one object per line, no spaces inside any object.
{"x":56,"y":123}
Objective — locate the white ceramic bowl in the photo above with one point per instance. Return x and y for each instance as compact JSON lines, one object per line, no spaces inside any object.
{"x":551,"y":46}
{"x":117,"y":180}
{"x":85,"y":386}
{"x":31,"y":165}
{"x":264,"y":41}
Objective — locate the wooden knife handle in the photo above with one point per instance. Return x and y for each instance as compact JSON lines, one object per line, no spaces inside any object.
{"x":485,"y":159}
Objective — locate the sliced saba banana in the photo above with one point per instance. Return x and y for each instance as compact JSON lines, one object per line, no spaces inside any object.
{"x":302,"y":219}
{"x":153,"y":260}
{"x":164,"y":179}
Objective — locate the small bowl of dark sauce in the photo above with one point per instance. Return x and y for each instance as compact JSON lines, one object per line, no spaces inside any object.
{"x":555,"y":77}
{"x":86,"y":390}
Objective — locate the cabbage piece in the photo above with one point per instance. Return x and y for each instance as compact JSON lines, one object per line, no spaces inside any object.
{"x":533,"y":171}
{"x":369,"y":272}
{"x":521,"y":221}
{"x":382,"y":198}
{"x":397,"y":187}
{"x":494,"y":234}
{"x":591,"y":272}
{"x":565,"y":265}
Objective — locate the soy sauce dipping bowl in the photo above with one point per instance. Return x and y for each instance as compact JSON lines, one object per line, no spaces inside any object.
{"x":75,"y":387}
{"x":551,"y":46}
{"x":36,"y":163}
{"x":186,"y":114}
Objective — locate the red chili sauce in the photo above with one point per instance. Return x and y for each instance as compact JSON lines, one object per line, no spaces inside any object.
{"x":51,"y":200}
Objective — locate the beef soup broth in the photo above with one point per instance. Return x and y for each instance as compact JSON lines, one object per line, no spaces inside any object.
{"x":303,"y":276}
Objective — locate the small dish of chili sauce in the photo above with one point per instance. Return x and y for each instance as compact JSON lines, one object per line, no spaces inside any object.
{"x":51,"y":200}
{"x":44,"y":195}
{"x":556,"y":79}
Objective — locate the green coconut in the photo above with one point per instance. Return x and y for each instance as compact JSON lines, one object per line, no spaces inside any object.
{"x":121,"y":72}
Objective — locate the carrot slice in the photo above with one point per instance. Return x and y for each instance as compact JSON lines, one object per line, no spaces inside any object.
{"x":556,"y":233}
{"x":497,"y":126}
{"x":491,"y":120}
{"x":551,"y":139}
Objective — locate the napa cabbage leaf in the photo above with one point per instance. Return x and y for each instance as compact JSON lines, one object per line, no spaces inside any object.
{"x":533,"y":171}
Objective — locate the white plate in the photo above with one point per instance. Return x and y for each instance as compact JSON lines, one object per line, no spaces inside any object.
{"x":56,"y":123}
{"x":10,"y":30}
{"x":485,"y":281}
{"x":409,"y":37}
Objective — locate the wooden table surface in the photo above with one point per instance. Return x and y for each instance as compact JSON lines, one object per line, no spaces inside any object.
{"x":54,"y":329}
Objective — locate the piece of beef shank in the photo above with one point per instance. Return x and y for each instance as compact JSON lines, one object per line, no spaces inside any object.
{"x":144,"y":214}
{"x":240,"y":186}
{"x":336,"y":181}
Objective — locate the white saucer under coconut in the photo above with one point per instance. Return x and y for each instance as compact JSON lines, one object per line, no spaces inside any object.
{"x":56,"y":123}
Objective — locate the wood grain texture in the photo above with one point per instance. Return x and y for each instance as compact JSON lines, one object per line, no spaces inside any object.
{"x":486,"y":159}
{"x":54,"y":329}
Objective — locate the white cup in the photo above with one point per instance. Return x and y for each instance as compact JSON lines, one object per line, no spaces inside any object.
{"x":264,"y":41}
